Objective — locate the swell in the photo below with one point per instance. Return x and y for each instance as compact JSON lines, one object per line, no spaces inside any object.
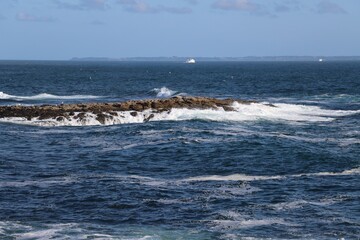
{"x":43,"y":96}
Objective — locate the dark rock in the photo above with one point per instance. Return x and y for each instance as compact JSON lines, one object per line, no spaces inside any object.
{"x":149,"y":117}
{"x":101,"y":118}
{"x":60,"y":119}
{"x":104,"y":110}
{"x":134,"y":114}
{"x":228,"y":109}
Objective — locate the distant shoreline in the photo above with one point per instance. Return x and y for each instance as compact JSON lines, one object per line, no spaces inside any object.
{"x":203,"y":59}
{"x":225,"y":59}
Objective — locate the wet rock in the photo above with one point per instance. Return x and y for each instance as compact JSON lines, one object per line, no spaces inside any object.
{"x":228,"y":108}
{"x":104,"y":110}
{"x":134,"y":114}
{"x":149,"y":117}
{"x":60,"y":119}
{"x":101,"y":118}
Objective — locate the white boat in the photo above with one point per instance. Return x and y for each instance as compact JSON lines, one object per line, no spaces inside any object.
{"x":190,"y":60}
{"x":320,"y":60}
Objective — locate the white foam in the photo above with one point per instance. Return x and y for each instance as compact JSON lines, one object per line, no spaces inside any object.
{"x":41,"y":234}
{"x":301,"y":203}
{"x":243,"y":177}
{"x":240,"y":224}
{"x":24,"y":231}
{"x":235,"y":220}
{"x":44,"y":96}
{"x":243,"y":112}
{"x":289,"y":112}
{"x":232,"y":177}
{"x":164,"y":92}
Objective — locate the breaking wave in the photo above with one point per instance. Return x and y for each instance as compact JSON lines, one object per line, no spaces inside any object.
{"x":165,"y":92}
{"x":287,"y":113}
{"x":243,"y":177}
{"x":44,"y":96}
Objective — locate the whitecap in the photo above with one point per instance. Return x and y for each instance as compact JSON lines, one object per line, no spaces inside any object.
{"x":232,"y":177}
{"x":301,"y":203}
{"x":247,"y":178}
{"x":232,"y":220}
{"x":289,"y":112}
{"x":164,"y":92}
{"x":248,"y":223}
{"x":45,"y":96}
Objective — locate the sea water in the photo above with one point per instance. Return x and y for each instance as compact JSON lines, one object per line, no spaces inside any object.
{"x":284,"y":167}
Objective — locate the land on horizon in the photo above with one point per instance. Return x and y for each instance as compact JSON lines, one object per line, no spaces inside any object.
{"x":201,"y":59}
{"x":248,"y":58}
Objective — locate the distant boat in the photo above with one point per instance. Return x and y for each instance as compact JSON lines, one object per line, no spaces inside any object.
{"x":190,"y":60}
{"x":320,"y":59}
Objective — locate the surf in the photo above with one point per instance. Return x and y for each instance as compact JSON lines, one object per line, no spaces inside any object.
{"x":286,"y":113}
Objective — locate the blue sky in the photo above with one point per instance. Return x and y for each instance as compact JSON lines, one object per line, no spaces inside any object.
{"x":62,"y":29}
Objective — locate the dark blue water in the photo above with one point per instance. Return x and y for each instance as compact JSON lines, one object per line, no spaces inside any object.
{"x":290,"y":172}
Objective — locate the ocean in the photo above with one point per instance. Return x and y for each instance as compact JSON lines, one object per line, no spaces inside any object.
{"x":284,"y":167}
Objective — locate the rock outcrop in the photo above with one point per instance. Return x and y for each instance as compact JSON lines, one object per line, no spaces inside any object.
{"x":59,"y":112}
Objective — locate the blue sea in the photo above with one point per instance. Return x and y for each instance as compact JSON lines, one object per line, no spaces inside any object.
{"x":285,"y":167}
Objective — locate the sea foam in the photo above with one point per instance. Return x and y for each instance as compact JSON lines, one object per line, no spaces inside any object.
{"x":246,"y":178}
{"x":287,"y":113}
{"x":165,"y":92}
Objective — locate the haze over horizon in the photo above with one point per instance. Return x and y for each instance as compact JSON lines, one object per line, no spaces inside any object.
{"x":62,"y":29}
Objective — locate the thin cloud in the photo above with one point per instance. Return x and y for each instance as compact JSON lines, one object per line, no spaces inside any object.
{"x":140,"y":6}
{"x":248,"y":6}
{"x":282,"y":8}
{"x":236,"y":5}
{"x":287,"y":6}
{"x":25,"y":17}
{"x":327,"y":6}
{"x":83,"y":4}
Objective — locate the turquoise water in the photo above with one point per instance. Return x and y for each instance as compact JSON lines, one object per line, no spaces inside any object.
{"x":290,"y":172}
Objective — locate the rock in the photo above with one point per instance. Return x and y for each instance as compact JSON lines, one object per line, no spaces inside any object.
{"x":107,"y":110}
{"x":149,"y":117}
{"x":60,"y":119}
{"x":228,"y":108}
{"x":101,"y":118}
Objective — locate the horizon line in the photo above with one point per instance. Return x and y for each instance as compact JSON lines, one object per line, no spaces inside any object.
{"x":279,"y":57}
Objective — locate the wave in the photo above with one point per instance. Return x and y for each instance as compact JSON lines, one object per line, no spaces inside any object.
{"x":322,"y":99}
{"x":288,"y":113}
{"x":247,"y":178}
{"x":236,"y":220}
{"x":44,"y":96}
{"x":248,"y":223}
{"x":20,"y":230}
{"x":156,"y":182}
{"x":165,"y":92}
{"x":42,"y":183}
{"x":301,"y":203}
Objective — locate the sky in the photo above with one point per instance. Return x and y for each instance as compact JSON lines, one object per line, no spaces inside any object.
{"x":62,"y":29}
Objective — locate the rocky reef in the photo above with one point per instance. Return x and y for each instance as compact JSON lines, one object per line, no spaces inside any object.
{"x":106,"y":110}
